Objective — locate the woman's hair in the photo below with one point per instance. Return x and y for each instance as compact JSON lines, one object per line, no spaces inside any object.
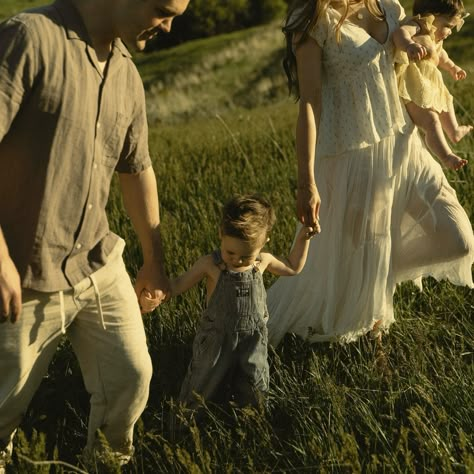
{"x":450,"y":8}
{"x":301,"y":19}
{"x":248,"y":217}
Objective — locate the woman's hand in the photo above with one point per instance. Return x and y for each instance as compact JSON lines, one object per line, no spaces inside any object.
{"x":308,"y":203}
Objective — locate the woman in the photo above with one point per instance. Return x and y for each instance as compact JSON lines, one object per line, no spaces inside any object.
{"x":387,"y":211}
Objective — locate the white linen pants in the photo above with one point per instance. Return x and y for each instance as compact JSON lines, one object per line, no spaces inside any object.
{"x":102,"y":319}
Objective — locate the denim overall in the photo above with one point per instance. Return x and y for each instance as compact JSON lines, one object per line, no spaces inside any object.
{"x":231,"y":339}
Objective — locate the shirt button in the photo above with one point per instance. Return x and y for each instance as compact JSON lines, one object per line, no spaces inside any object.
{"x":98,"y":124}
{"x":78,"y":246}
{"x":94,"y":166}
{"x":89,"y":206}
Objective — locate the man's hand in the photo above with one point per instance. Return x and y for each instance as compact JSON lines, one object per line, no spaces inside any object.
{"x":10,"y":291}
{"x":152,"y":287}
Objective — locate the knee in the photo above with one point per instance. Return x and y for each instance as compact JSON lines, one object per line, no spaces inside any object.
{"x":460,"y":246}
{"x":136,"y":377}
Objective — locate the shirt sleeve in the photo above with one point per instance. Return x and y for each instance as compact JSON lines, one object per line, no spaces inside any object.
{"x":320,"y":30}
{"x":135,"y":155}
{"x":17,"y":70}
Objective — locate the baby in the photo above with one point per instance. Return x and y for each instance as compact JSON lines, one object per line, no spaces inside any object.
{"x":421,"y":85}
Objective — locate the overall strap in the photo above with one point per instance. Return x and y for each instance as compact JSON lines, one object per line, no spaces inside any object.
{"x":256,"y":264}
{"x":217,"y":259}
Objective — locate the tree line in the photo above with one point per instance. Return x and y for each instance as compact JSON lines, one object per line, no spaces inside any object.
{"x":205,"y":18}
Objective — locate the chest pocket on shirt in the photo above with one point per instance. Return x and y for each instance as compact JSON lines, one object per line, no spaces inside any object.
{"x":113,"y":140}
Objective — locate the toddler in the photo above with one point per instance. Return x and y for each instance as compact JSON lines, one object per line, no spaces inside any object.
{"x":232,"y":334}
{"x":420,"y":56}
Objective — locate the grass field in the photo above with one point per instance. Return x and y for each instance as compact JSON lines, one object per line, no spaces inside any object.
{"x":221,"y":123}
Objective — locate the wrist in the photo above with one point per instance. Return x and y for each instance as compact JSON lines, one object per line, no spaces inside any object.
{"x":310,"y":185}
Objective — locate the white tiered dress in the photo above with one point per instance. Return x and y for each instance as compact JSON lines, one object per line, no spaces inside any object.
{"x":387,"y":211}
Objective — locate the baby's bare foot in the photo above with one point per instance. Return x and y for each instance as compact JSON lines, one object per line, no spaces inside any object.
{"x":460,"y":133}
{"x":453,"y":162}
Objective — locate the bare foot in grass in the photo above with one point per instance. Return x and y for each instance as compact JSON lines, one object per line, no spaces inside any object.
{"x":453,"y":162}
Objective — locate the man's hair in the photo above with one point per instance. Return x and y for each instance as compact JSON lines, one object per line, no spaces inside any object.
{"x":449,"y":8}
{"x":247,"y":217}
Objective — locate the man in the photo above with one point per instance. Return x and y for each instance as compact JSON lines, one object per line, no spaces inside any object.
{"x":72,"y":112}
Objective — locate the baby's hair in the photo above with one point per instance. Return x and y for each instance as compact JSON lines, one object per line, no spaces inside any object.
{"x":248,"y":217}
{"x":450,"y":8}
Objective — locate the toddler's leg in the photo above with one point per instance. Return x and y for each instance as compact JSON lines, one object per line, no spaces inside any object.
{"x":453,"y":130}
{"x":252,"y":378}
{"x":429,"y":121}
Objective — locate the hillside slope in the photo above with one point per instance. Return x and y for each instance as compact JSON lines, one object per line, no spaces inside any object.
{"x":209,"y":76}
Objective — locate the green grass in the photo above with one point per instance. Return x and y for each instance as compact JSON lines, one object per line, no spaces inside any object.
{"x":10,"y":7}
{"x":334,"y":409}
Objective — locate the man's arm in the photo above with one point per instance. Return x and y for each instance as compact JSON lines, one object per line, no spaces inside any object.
{"x":10,"y":285}
{"x":140,"y":196}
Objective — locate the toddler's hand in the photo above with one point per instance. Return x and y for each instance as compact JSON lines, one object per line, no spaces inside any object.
{"x":457,"y":73}
{"x":416,"y":51}
{"x":309,"y":232}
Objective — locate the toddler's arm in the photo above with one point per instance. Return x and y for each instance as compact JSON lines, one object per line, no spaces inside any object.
{"x":191,"y":277}
{"x":403,"y":40}
{"x":446,"y":63}
{"x":294,"y":263}
{"x":182,"y":283}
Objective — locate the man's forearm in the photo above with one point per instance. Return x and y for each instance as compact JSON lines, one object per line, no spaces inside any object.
{"x":140,"y":196}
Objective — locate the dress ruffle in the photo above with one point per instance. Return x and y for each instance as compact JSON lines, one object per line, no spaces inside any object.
{"x":360,"y":105}
{"x":421,"y":82}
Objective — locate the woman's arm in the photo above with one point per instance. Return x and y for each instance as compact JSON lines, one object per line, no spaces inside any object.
{"x":294,"y":263}
{"x":308,"y":61}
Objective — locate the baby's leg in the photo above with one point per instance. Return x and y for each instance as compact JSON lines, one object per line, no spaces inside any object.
{"x":429,"y":121}
{"x":453,"y":130}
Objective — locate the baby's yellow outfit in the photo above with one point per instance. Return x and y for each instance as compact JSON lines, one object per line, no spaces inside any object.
{"x":421,"y":81}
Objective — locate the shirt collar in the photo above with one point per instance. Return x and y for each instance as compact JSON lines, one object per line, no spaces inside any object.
{"x":75,"y":28}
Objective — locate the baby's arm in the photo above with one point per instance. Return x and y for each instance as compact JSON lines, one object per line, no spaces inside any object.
{"x":294,"y":263}
{"x":446,"y":63}
{"x":403,"y":39}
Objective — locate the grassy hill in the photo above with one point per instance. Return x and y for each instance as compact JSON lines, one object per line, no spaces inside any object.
{"x":221,"y":123}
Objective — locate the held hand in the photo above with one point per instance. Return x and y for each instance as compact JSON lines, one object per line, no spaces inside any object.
{"x":152,"y":287}
{"x":307,"y":232}
{"x":10,"y":291}
{"x":308,"y":203}
{"x":416,"y":51}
